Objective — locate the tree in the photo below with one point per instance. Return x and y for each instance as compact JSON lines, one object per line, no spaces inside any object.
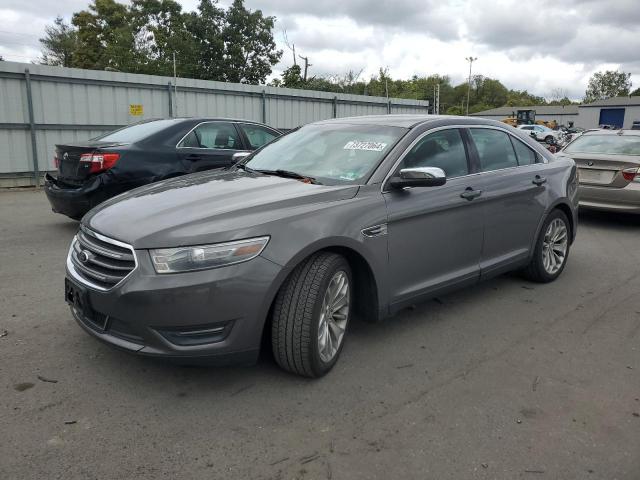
{"x":105,"y":37}
{"x":160,"y":31}
{"x":250,"y":50}
{"x":59,"y":44}
{"x":635,"y":93}
{"x":603,"y":85}
{"x":522,"y":98}
{"x":207,"y":57}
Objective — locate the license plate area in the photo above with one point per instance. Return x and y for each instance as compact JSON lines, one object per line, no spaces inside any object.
{"x":596,"y":176}
{"x":78,"y":299}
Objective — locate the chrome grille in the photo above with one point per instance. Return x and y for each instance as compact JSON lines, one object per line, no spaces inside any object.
{"x":99,"y":261}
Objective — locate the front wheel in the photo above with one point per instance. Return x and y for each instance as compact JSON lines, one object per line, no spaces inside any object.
{"x":549,"y":140}
{"x":311,"y":314}
{"x":551,"y":249}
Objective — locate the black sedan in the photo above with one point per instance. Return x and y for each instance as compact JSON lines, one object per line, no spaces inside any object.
{"x":93,"y":171}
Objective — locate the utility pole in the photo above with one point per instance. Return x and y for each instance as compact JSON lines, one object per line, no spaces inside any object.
{"x":306,"y":65}
{"x":434,"y":100}
{"x":470,"y":60}
{"x":438,"y":99}
{"x":175,"y":84}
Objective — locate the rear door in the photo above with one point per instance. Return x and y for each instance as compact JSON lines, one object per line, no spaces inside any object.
{"x":255,"y":136}
{"x":514,"y":196}
{"x":434,"y":233}
{"x":210,"y":145}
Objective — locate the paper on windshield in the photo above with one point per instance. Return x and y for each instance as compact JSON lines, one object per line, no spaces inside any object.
{"x":367,"y":146}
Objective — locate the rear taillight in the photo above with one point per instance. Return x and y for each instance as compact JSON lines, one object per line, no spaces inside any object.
{"x":56,"y":161}
{"x":631,"y":174}
{"x":100,"y":161}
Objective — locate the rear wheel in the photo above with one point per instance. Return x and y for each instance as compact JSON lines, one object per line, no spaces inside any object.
{"x":311,"y":314}
{"x":551,"y":249}
{"x":549,"y":139}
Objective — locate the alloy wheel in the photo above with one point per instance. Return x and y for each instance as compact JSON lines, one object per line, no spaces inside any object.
{"x":334,"y":315}
{"x":554,"y":246}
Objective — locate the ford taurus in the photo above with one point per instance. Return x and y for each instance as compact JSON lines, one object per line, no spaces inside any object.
{"x":340,"y":218}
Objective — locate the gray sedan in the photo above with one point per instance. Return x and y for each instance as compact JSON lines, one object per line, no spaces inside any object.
{"x":609,"y":169}
{"x":341,"y":218}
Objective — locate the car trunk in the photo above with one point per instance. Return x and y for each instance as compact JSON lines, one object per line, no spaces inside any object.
{"x":604,"y":170}
{"x":70,"y":169}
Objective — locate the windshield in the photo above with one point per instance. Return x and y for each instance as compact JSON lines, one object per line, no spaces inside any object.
{"x":135,"y":133}
{"x":606,"y":144}
{"x":331,"y":154}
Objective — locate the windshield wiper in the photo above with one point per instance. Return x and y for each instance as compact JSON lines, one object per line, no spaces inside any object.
{"x":243,"y":166}
{"x":289,"y":174}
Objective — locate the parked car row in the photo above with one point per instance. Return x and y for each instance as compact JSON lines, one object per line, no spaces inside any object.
{"x":354,"y":216}
{"x":93,"y":171}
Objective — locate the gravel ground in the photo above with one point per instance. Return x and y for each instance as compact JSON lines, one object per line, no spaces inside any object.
{"x":506,"y":380}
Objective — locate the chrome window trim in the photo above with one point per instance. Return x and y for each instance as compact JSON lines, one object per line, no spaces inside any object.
{"x":76,"y":276}
{"x":204,"y":148}
{"x":458,"y":127}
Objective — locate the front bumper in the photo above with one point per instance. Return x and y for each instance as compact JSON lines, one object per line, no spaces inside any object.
{"x":625,"y":199}
{"x":211,"y":316}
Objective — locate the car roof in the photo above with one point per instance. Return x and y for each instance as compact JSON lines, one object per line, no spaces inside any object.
{"x":406,"y":120}
{"x":608,"y":131}
{"x":206,"y":119}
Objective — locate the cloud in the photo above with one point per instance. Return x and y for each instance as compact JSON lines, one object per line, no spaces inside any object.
{"x":537,"y":46}
{"x":431,"y":17}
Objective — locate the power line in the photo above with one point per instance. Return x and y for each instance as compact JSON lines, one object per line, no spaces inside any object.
{"x":9,"y":42}
{"x":20,"y":33}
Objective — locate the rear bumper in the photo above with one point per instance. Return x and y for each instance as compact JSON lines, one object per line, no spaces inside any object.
{"x":625,"y":199}
{"x":70,"y":201}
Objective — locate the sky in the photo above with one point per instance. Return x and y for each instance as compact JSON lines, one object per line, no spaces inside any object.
{"x":542,"y":46}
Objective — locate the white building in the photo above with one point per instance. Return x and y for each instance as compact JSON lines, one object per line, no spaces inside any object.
{"x":618,"y":111}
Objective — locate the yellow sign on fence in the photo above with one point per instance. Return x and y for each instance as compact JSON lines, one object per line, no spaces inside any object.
{"x":135,"y":110}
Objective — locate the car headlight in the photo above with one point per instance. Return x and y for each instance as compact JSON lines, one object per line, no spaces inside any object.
{"x":201,"y":257}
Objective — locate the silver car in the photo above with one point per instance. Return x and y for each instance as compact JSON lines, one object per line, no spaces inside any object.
{"x":609,"y":169}
{"x":341,"y":218}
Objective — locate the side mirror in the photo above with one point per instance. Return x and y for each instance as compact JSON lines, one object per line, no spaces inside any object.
{"x":419,"y":177}
{"x":239,"y":156}
{"x":533,"y":134}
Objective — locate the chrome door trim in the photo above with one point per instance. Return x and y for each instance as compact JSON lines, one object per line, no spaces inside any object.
{"x":204,"y":148}
{"x":457,"y":127}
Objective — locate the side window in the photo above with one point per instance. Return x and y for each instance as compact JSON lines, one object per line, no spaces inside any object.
{"x":257,"y":135}
{"x":494,"y":149}
{"x":527,"y":128}
{"x":443,"y":149}
{"x":525,"y":155}
{"x":213,"y":135}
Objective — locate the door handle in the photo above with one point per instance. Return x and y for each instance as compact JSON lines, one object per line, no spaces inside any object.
{"x":469,"y":193}
{"x":194,"y":156}
{"x":538,"y":180}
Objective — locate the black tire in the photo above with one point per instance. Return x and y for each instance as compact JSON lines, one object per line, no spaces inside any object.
{"x":296,"y":315}
{"x":536,"y":271}
{"x":549,"y":140}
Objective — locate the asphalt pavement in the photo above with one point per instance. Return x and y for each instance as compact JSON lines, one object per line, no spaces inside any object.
{"x":506,"y":380}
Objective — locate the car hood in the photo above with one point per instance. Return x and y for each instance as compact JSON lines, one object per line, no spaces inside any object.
{"x":209,"y":207}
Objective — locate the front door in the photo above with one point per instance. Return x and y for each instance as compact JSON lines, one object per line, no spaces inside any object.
{"x":434,"y":233}
{"x":210,"y":145}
